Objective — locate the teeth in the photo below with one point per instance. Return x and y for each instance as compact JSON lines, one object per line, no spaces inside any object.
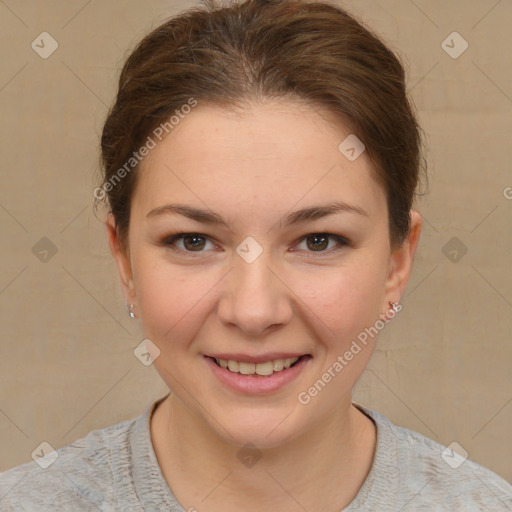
{"x":233,"y":366}
{"x":246,"y":368}
{"x":264,"y":369}
{"x":278,"y":365}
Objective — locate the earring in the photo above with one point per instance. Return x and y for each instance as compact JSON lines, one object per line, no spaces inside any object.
{"x":129,"y":307}
{"x":394,"y":305}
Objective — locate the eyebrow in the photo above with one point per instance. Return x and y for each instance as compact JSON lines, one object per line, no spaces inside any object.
{"x":298,"y":217}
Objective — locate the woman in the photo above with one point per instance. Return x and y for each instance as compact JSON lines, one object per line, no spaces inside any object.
{"x":261,"y":163}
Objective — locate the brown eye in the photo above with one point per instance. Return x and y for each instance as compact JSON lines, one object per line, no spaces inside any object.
{"x":191,"y":242}
{"x":319,"y":242}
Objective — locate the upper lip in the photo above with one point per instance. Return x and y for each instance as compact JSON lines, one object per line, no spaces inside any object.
{"x":262,"y":358}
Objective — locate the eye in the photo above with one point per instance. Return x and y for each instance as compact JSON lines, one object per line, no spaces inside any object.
{"x":318,"y":242}
{"x":191,"y":242}
{"x":196,"y":242}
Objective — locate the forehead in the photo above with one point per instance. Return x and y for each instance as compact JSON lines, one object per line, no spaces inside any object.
{"x":270,"y":156}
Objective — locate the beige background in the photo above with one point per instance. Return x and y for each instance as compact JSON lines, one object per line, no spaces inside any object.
{"x":443,"y":368}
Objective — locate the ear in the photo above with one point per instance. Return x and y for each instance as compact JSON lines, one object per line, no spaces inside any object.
{"x":122,"y":258}
{"x":401,"y":262}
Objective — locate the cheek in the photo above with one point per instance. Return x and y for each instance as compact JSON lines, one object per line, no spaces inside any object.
{"x":172,"y":300}
{"x":345,"y":300}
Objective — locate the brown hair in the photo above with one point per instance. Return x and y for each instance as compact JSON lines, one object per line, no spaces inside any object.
{"x":234,"y":55}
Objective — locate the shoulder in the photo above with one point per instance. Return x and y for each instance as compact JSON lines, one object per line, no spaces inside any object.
{"x":79,"y":476}
{"x":430,"y":476}
{"x":436,"y":471}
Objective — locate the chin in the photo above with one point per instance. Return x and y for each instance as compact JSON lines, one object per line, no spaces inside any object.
{"x":264,"y":430}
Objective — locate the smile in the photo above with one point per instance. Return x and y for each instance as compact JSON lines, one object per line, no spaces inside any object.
{"x":263,"y":369}
{"x":257,"y":378}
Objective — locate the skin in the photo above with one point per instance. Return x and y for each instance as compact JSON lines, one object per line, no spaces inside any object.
{"x":253,"y":168}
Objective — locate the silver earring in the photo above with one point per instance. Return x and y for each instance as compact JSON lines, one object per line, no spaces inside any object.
{"x":394,"y":305}
{"x":130,"y":310}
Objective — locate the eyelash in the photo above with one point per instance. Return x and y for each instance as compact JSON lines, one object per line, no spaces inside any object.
{"x":169,"y":242}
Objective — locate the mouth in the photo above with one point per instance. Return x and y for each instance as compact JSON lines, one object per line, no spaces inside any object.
{"x":259,"y":369}
{"x":261,"y":376}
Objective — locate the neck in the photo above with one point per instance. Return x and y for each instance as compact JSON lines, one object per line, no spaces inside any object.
{"x":322,"y":469}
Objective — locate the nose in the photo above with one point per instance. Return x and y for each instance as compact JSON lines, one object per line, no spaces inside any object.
{"x":256,"y":298}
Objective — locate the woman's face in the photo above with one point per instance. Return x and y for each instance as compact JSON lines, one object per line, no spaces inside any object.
{"x":267,"y":284}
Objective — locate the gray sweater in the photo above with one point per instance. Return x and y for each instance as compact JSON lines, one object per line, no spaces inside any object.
{"x":115,"y":468}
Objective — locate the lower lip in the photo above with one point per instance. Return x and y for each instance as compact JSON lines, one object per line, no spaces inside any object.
{"x":257,"y":384}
